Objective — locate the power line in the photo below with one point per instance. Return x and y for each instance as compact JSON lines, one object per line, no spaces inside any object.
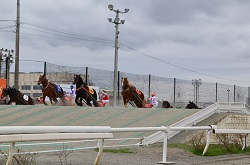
{"x":180,"y":67}
{"x":68,"y":33}
{"x":101,"y":42}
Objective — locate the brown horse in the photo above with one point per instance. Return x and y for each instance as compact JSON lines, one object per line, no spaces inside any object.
{"x":51,"y":90}
{"x":130,"y":93}
{"x":17,"y":97}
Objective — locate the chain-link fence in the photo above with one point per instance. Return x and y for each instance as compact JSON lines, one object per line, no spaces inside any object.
{"x":177,"y":91}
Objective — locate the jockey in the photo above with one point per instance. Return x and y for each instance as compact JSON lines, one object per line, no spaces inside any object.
{"x":153,"y":100}
{"x":104,"y":97}
{"x":71,"y":92}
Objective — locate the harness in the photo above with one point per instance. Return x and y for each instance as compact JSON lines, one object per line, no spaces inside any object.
{"x":135,"y":93}
{"x":49,"y":85}
{"x":89,"y":93}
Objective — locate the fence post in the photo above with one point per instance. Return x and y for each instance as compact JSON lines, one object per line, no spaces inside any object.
{"x":45,"y":68}
{"x":174,"y":90}
{"x":234,"y":92}
{"x":216,"y":90}
{"x":11,"y":151}
{"x":86,"y":76}
{"x":149,"y":84}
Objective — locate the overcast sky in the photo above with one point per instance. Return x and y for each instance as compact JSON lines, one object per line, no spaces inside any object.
{"x":184,"y":39}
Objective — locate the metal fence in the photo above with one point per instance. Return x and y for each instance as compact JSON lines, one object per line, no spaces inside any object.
{"x":177,"y":91}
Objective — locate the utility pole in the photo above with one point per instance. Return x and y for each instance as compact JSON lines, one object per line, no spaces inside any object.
{"x":17,"y":46}
{"x":116,"y":22}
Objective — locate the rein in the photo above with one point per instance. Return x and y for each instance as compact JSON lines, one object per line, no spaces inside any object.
{"x":49,"y":85}
{"x":88,"y":93}
{"x":137,"y":96}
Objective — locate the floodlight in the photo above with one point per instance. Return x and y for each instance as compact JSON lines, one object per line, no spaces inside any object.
{"x":116,"y":20}
{"x":126,"y":10}
{"x":110,"y":7}
{"x":122,"y":21}
{"x":110,"y":19}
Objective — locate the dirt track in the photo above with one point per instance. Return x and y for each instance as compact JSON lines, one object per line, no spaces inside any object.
{"x":145,"y":155}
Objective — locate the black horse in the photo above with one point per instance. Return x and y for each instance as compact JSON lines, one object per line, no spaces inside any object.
{"x":83,"y":91}
{"x":166,"y":104}
{"x":191,"y":105}
{"x":17,"y":97}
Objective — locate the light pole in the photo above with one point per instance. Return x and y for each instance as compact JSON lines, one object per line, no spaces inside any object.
{"x":196,"y":83}
{"x":228,"y":90}
{"x":116,"y":21}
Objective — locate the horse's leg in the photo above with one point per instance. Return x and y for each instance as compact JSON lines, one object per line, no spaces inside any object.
{"x":80,"y":103}
{"x":88,"y":100}
{"x":55,"y":100}
{"x":51,"y":101}
{"x":44,"y":100}
{"x":95,"y":102}
{"x":76,"y":100}
{"x":126,"y":103}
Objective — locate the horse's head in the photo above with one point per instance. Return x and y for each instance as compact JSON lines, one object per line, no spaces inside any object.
{"x":78,"y":79}
{"x":125,"y":82}
{"x":4,"y":93}
{"x":41,"y":79}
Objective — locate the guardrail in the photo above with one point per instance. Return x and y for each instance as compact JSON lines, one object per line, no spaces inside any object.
{"x":165,"y":131}
{"x":226,"y":131}
{"x":199,"y":116}
{"x":15,"y":134}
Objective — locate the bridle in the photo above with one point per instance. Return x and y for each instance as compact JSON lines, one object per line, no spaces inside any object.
{"x":44,"y":78}
{"x":75,"y":81}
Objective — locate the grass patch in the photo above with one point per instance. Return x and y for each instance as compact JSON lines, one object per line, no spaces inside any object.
{"x":213,"y":149}
{"x":120,"y":150}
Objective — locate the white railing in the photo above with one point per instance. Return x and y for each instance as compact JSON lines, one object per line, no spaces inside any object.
{"x":227,"y":131}
{"x":15,"y":134}
{"x":198,"y":117}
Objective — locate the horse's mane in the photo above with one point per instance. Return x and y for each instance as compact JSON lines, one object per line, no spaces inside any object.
{"x":12,"y":91}
{"x":129,"y":83}
{"x":81,"y":80}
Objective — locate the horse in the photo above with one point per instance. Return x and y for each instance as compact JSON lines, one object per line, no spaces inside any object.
{"x":130,"y":93}
{"x":85,"y":92}
{"x":166,"y":104}
{"x":191,"y":105}
{"x":51,"y":90}
{"x":16,"y":96}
